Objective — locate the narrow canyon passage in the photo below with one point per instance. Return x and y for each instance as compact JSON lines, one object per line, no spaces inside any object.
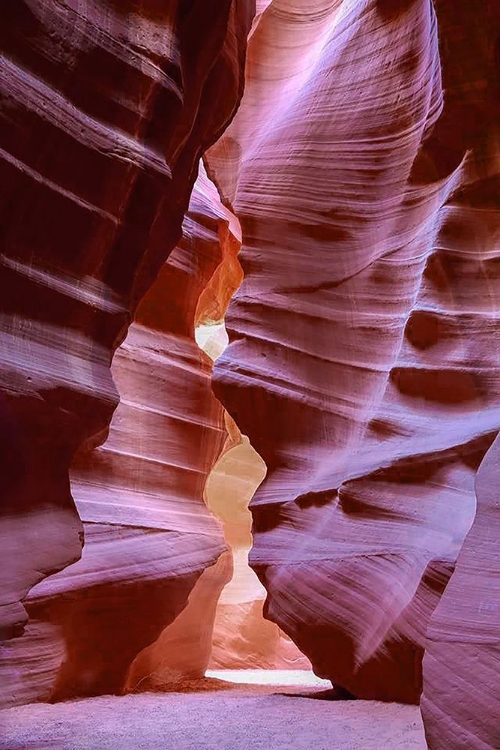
{"x":250,"y":374}
{"x":242,"y":639}
{"x":142,"y":610}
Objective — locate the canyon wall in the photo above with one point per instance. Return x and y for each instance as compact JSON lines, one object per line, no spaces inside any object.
{"x":364,"y":352}
{"x":148,"y":533}
{"x":462,"y":657}
{"x":107,"y":108}
{"x":363,"y":365}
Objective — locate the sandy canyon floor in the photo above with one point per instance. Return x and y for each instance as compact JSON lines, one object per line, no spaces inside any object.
{"x":214,"y":715}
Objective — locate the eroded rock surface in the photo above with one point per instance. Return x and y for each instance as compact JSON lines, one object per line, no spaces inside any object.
{"x":363,"y":361}
{"x":462,"y":658}
{"x":364,"y":355}
{"x":148,"y":534}
{"x":107,"y":108}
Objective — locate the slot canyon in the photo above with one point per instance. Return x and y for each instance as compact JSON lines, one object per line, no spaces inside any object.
{"x":250,"y":374}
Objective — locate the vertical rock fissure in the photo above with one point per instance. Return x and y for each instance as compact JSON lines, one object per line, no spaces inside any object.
{"x":242,"y":638}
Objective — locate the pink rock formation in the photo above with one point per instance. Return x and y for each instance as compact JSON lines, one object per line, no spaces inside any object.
{"x":461,"y":699}
{"x":181,"y":655}
{"x":363,"y":165}
{"x":148,"y":533}
{"x":107,"y":108}
{"x":363,"y":357}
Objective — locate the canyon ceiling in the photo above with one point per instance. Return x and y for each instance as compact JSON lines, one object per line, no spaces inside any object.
{"x":324,"y":177}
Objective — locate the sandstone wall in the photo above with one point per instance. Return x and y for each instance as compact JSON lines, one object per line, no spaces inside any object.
{"x":107,"y":109}
{"x":364,"y":340}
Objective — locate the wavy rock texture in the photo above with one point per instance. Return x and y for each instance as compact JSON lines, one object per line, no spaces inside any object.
{"x":364,"y":341}
{"x":462,"y":661}
{"x":363,"y":362}
{"x":149,"y":535}
{"x":107,"y":108}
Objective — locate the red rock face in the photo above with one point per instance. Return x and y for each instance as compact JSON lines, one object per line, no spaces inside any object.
{"x":107,"y":108}
{"x":148,"y":533}
{"x":364,"y":345}
{"x":363,"y":165}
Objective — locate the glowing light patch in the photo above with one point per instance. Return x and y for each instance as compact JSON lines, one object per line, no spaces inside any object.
{"x":212,"y":339}
{"x":269,"y":677}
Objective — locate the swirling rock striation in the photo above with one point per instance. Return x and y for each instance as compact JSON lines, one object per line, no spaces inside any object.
{"x":364,"y":340}
{"x":364,"y":355}
{"x":107,"y":107}
{"x":148,"y":533}
{"x":462,"y":658}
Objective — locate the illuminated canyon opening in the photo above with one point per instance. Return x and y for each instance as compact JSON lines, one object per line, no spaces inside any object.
{"x":243,"y":639}
{"x":320,"y":178}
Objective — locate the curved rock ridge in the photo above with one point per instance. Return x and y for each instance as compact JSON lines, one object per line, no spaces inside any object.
{"x":180,"y":656}
{"x":363,"y":361}
{"x":107,"y":107}
{"x":148,"y":533}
